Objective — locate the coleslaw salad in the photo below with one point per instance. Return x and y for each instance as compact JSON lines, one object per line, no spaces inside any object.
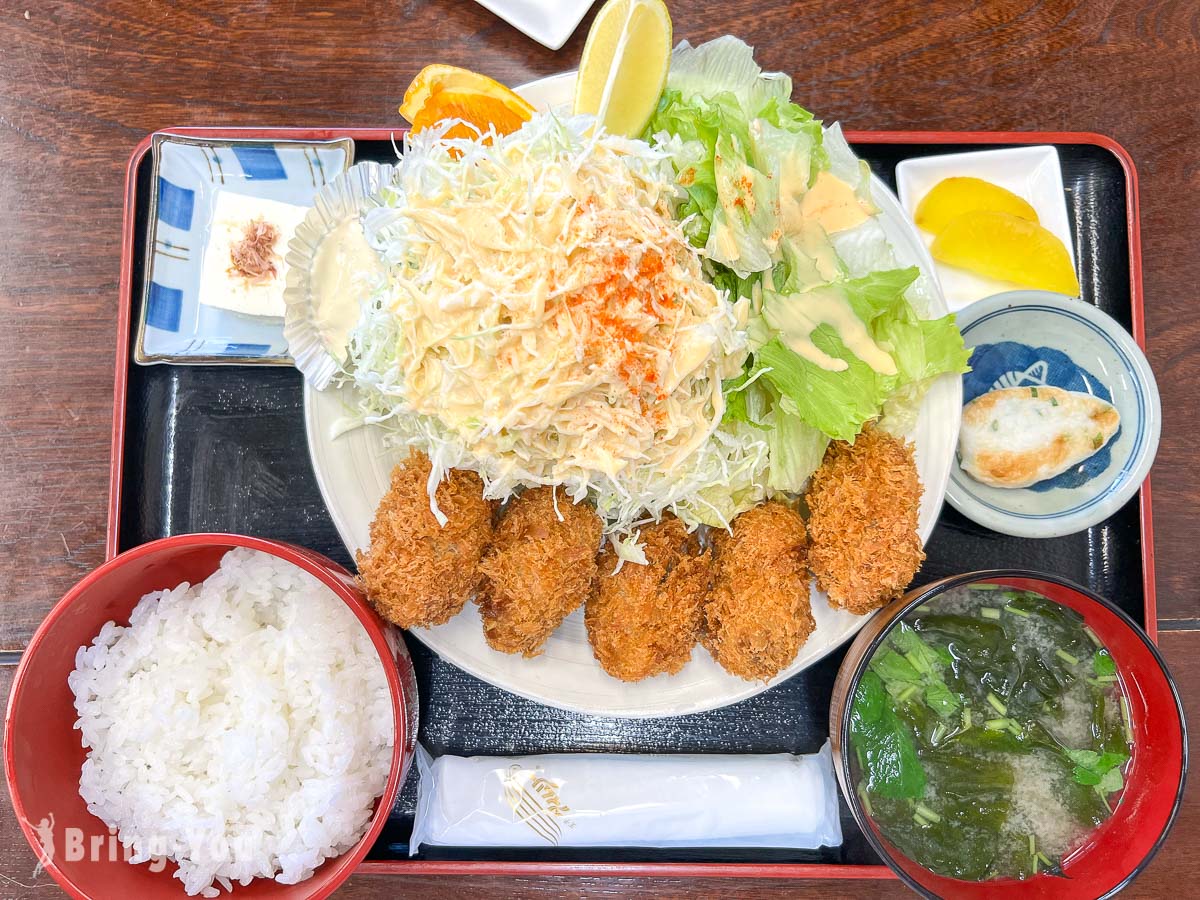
{"x":679,"y":323}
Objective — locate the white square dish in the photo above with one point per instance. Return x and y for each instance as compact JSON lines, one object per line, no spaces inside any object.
{"x":1032,"y":173}
{"x":549,"y":22}
{"x":188,"y":177}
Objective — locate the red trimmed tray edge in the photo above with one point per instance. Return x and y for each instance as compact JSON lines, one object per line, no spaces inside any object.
{"x":683,"y":870}
{"x":623,"y":870}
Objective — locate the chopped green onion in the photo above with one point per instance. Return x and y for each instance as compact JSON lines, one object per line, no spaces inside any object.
{"x":966,"y":718}
{"x":923,"y":810}
{"x":1092,"y":635}
{"x":1033,"y":392}
{"x":995,"y":425}
{"x":866,"y":800}
{"x":1097,"y":441}
{"x":989,"y":612}
{"x":1128,"y":722}
{"x":917,"y":663}
{"x":907,"y":692}
{"x":1067,"y":657}
{"x":1103,"y":679}
{"x":996,"y":724}
{"x":995,"y":703}
{"x":938,"y":734}
{"x":921,"y":821}
{"x":1014,"y":727}
{"x":1032,"y":846}
{"x":1053,"y":402}
{"x":1016,"y":611}
{"x":987,"y":587}
{"x":1045,"y":860}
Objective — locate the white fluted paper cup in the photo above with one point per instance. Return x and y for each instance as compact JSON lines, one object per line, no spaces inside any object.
{"x":327,"y":282}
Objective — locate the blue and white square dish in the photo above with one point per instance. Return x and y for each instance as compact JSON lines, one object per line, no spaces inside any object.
{"x":188,"y":173}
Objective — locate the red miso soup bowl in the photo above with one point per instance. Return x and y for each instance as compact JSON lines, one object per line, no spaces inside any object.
{"x":1120,"y":847}
{"x":43,"y":754}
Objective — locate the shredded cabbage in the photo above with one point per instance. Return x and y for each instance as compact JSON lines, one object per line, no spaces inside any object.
{"x":627,"y":318}
{"x":547,"y":322}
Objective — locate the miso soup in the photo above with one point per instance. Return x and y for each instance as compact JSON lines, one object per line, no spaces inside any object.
{"x":989,"y":734}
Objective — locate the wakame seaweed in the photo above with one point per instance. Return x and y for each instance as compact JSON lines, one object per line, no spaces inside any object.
{"x":987,"y":733}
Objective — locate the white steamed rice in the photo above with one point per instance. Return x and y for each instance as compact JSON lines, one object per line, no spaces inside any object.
{"x":241,"y":727}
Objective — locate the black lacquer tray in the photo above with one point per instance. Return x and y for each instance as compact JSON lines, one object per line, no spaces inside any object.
{"x":223,"y":448}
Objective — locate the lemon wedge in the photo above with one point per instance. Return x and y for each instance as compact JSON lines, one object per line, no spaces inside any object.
{"x":952,"y":197}
{"x":1006,"y":247}
{"x":624,"y":65}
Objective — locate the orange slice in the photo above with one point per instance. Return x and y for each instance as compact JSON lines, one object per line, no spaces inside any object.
{"x":447,"y":92}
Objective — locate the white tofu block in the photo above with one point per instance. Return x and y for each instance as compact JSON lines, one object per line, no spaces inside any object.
{"x":223,"y":288}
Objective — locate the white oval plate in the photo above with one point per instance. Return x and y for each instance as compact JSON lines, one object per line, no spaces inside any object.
{"x":353,"y":473}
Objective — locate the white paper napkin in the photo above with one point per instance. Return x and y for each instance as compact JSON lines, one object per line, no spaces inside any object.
{"x":624,"y":800}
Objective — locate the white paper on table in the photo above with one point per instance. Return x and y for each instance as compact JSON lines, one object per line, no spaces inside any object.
{"x":625,"y":800}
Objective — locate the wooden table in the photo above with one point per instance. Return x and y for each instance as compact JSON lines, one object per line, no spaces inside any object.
{"x":81,"y":81}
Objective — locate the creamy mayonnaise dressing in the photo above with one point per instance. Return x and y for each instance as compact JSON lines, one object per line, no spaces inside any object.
{"x":344,"y":273}
{"x":797,"y":316}
{"x":823,"y":265}
{"x":833,"y":204}
{"x":794,"y":174}
{"x":809,"y":215}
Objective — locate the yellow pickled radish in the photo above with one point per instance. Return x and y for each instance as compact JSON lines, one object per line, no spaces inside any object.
{"x":953,"y":197}
{"x":624,"y":65}
{"x":1006,"y":247}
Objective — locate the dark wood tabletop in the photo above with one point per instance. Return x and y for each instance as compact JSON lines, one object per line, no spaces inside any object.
{"x":82,"y":82}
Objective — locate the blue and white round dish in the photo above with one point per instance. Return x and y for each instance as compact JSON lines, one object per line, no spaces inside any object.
{"x":1036,"y":338}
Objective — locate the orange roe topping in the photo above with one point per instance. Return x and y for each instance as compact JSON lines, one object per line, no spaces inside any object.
{"x":616,"y":314}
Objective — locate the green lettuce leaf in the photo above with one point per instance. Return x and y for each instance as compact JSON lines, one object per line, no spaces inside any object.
{"x":839,"y":403}
{"x":743,"y":221}
{"x":881,"y":294}
{"x":737,"y":141}
{"x":726,"y":65}
{"x":795,"y":450}
{"x":835,"y":403}
{"x":689,"y":130}
{"x":747,"y":401}
{"x":922,"y":348}
{"x":796,"y":120}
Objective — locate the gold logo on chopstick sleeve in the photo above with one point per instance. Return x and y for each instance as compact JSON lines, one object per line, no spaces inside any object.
{"x":535,"y":801}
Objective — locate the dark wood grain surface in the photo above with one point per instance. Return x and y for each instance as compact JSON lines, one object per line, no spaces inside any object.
{"x":82,"y":82}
